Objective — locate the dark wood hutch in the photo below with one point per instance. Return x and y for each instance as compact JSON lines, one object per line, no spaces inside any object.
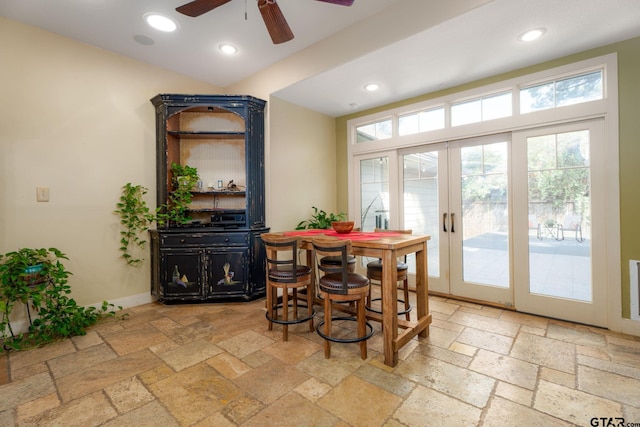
{"x":218,"y":255}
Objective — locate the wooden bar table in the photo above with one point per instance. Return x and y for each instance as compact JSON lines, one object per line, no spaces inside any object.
{"x":388,"y":247}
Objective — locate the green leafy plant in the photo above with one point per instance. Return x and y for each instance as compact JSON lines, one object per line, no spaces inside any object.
{"x":184,"y":179}
{"x":135,"y":218}
{"x":38,"y":279}
{"x":321,"y":219}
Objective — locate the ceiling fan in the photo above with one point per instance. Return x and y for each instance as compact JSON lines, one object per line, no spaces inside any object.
{"x":271,"y":14}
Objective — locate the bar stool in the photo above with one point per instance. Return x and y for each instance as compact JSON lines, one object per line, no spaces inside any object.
{"x":286,"y":274}
{"x":339,"y":285}
{"x":374,"y":272}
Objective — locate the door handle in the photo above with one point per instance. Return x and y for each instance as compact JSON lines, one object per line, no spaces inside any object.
{"x":444,"y":222}
{"x":453,"y":230}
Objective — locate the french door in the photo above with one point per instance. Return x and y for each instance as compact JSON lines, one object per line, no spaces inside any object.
{"x":458,"y":194}
{"x":513,"y":217}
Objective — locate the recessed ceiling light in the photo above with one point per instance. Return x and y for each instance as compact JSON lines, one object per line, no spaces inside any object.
{"x":228,"y":49}
{"x":160,"y":22}
{"x":372,"y":87}
{"x":531,"y":35}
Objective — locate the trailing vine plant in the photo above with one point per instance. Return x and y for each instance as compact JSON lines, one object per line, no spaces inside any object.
{"x":135,"y":218}
{"x":37,"y":279}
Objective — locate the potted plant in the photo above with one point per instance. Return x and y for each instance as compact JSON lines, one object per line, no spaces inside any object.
{"x":37,"y":278}
{"x":321,"y":219}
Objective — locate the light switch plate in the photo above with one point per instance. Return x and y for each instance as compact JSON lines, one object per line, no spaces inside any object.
{"x":42,"y":194}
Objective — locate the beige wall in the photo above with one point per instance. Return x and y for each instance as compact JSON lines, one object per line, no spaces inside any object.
{"x":629,"y":93}
{"x":76,"y":119}
{"x":301,"y":164}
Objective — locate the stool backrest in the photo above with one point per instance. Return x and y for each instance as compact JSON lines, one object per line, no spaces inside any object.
{"x":276,"y":243}
{"x":327,"y":246}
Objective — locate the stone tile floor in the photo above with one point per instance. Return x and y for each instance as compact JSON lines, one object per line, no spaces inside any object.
{"x":218,"y":365}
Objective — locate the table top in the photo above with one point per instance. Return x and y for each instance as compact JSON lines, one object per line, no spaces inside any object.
{"x":364,"y":239}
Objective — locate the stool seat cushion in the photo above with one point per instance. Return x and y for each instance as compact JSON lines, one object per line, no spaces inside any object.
{"x":286,"y":272}
{"x":332,"y":283}
{"x":377,"y":265}
{"x":337,"y":260}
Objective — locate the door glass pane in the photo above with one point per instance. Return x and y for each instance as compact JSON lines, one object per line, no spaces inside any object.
{"x":374,"y":193}
{"x":559,"y":215}
{"x":420,"y":179}
{"x":485,"y":214}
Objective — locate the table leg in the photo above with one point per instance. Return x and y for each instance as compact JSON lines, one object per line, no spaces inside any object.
{"x":422,"y":287}
{"x":389,"y":310}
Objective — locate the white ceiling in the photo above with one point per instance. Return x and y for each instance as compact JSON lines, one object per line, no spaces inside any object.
{"x":450,"y":48}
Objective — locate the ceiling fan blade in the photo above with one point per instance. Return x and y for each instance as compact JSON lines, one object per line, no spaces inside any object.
{"x":274,"y":21}
{"x":198,"y":7}
{"x":340,"y":2}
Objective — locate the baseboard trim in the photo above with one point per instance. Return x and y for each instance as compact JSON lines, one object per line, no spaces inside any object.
{"x":631,"y":327}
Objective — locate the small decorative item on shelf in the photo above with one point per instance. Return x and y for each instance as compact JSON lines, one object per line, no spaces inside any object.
{"x":342,"y":227}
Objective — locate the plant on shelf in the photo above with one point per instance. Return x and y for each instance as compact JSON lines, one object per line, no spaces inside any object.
{"x":135,"y":218}
{"x":184,"y":179}
{"x":321,"y":219}
{"x":37,"y":279}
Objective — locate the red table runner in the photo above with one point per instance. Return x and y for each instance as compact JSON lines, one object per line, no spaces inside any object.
{"x":354,"y":235}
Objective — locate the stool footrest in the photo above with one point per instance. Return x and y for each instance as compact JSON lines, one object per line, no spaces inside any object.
{"x":292,"y":321}
{"x":345,"y":340}
{"x":405,"y":311}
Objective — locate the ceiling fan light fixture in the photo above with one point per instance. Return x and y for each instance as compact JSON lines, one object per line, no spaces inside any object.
{"x":228,"y":49}
{"x":160,"y":22}
{"x":531,"y":35}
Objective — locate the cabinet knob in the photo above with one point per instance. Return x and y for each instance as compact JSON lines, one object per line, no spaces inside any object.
{"x":226,"y":240}
{"x":181,"y":240}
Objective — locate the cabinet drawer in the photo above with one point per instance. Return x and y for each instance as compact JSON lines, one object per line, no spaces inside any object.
{"x":213,"y":239}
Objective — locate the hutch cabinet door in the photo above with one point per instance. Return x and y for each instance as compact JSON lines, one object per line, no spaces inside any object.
{"x":181,"y":273}
{"x":227,"y":271}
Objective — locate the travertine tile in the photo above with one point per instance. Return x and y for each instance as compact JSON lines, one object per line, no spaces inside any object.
{"x":37,"y":406}
{"x":463,"y":384}
{"x":486,"y":340}
{"x":229,"y":366}
{"x":426,"y":407}
{"x":504,"y":412}
{"x":292,"y":410}
{"x":294,"y":350}
{"x":245,"y":343}
{"x":150,"y":415}
{"x":313,"y":389}
{"x":22,"y":359}
{"x":505,"y":368}
{"x":351,"y":401}
{"x":195,"y":393}
{"x":270,"y":381}
{"x":130,"y":340}
{"x":92,"y":409}
{"x":19,"y":392}
{"x":572,"y":335}
{"x":90,"y":339}
{"x":189,"y":354}
{"x":558,"y":377}
{"x":463,"y":374}
{"x":128,"y":395}
{"x":515,"y":394}
{"x":384,"y":379}
{"x":571,"y":405}
{"x":484,"y":323}
{"x":609,"y":385}
{"x":97,"y":377}
{"x":543,"y":351}
{"x":79,"y":360}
